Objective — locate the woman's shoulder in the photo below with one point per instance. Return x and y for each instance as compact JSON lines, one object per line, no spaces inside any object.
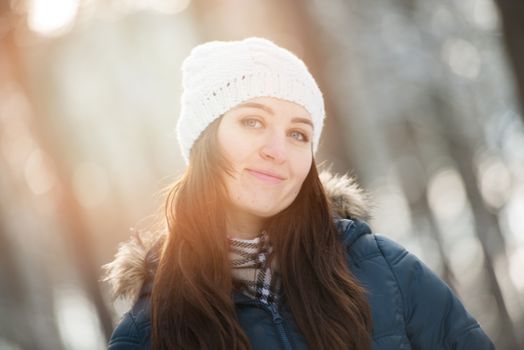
{"x":134,"y":329}
{"x":368,"y":250}
{"x":388,"y":256}
{"x":418,"y":293}
{"x":362,"y":243}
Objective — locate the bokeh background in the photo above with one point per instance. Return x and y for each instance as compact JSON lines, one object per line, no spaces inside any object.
{"x":424,"y":102}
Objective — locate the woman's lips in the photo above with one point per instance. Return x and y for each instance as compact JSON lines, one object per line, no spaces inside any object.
{"x":273,"y":179}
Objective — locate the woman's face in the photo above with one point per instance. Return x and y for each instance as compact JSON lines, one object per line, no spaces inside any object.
{"x":267,"y":141}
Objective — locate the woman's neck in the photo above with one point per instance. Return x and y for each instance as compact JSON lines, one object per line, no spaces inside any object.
{"x":243,"y":225}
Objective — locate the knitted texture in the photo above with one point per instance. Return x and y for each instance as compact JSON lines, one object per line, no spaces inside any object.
{"x":218,"y":75}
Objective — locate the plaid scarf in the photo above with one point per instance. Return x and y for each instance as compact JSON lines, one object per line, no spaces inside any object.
{"x":252,"y":272}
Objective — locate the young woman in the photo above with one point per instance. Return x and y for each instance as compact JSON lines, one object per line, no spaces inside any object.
{"x":258,"y":253}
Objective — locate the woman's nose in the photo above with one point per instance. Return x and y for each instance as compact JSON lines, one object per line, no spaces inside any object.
{"x":274,"y":148}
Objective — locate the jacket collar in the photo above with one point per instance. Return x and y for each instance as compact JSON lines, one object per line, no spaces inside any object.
{"x":135,"y":261}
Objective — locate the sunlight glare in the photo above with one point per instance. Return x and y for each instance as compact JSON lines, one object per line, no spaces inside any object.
{"x":51,"y":17}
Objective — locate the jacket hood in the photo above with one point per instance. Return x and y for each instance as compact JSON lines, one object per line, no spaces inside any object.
{"x":135,"y":260}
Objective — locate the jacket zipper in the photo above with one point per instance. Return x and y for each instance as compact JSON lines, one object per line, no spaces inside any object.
{"x":277,"y":321}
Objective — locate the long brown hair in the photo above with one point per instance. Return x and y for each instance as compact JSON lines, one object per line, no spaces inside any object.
{"x":192,"y":306}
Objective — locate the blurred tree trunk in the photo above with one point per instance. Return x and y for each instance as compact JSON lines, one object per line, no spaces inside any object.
{"x":404,"y":143}
{"x":16,"y":325}
{"x":512,"y":15}
{"x":485,"y":223}
{"x":78,"y":237}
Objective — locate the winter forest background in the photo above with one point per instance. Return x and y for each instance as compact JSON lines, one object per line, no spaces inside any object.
{"x":424,"y":103}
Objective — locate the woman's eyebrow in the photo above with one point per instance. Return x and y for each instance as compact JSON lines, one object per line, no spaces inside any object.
{"x":270,"y":111}
{"x":303,"y":121}
{"x":265,"y":108}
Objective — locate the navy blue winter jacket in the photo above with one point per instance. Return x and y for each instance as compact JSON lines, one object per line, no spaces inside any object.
{"x":411,"y":307}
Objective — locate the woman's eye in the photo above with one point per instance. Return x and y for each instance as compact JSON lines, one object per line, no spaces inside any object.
{"x":299,"y":136}
{"x":251,"y":123}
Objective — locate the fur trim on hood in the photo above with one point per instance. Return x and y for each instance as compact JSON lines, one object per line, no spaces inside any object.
{"x":135,"y":260}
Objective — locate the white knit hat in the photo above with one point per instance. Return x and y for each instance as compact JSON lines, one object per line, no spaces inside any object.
{"x":219,"y":75}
